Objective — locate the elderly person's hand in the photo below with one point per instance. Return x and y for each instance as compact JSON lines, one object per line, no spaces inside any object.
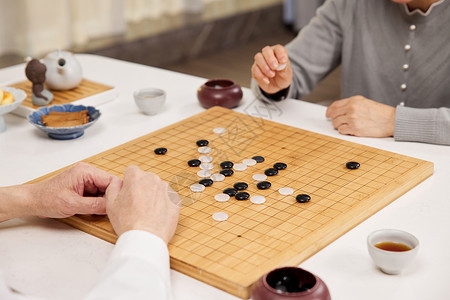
{"x":360,"y":116}
{"x":267,"y":69}
{"x":142,"y":201}
{"x":78,"y":190}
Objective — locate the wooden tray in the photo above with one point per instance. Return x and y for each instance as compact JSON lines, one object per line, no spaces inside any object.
{"x":86,"y":93}
{"x":235,"y":253}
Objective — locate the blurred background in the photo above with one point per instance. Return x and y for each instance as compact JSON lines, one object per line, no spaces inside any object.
{"x":206,"y":38}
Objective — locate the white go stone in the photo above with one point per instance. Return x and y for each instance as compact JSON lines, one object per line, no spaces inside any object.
{"x":281,"y":67}
{"x":249,"y":161}
{"x":286,"y":191}
{"x":206,"y":166}
{"x":240,"y":167}
{"x":218,"y":177}
{"x":259,"y":177}
{"x":197,"y":188}
{"x":258,"y":199}
{"x":205,"y":158}
{"x":220,"y":216}
{"x":222,"y":197}
{"x":204,"y":150}
{"x":204,"y":173}
{"x":219,"y":130}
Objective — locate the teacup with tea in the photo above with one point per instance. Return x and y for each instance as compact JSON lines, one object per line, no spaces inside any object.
{"x":392,"y":249}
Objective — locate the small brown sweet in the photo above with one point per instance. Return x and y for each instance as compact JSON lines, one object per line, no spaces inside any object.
{"x":65,"y":119}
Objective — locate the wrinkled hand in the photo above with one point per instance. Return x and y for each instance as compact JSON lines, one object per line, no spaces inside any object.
{"x":264,"y":69}
{"x":77,"y":190}
{"x":141,"y":202}
{"x":360,"y":116}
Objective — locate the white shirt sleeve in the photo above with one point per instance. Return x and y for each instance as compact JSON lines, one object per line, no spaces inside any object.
{"x":139,"y":268}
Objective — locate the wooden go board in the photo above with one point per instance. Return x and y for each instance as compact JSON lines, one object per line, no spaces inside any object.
{"x":85,"y":89}
{"x":257,"y":238}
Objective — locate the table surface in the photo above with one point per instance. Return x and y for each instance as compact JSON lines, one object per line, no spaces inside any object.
{"x":45,"y":258}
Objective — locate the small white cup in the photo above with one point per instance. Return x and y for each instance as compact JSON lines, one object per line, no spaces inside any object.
{"x":150,"y":100}
{"x":392,"y":262}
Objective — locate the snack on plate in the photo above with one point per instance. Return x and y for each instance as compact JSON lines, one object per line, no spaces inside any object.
{"x":6,"y":97}
{"x":65,"y":119}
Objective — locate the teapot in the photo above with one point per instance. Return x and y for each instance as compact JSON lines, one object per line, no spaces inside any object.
{"x":63,"y":70}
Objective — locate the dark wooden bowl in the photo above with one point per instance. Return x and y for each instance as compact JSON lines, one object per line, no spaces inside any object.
{"x":219,"y":92}
{"x":290,"y":283}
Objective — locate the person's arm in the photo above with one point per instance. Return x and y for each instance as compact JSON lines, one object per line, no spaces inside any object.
{"x":78,"y":190}
{"x":313,"y":54}
{"x":138,"y":268}
{"x":143,"y":211}
{"x":16,"y":202}
{"x":360,"y":116}
{"x":426,"y":125}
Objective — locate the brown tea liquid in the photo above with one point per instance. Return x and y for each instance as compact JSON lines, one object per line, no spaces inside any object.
{"x":392,"y":246}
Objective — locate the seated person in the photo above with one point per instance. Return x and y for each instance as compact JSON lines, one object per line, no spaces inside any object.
{"x":141,"y":212}
{"x":395,"y":67}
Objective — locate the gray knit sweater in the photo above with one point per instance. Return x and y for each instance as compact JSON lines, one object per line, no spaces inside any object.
{"x":388,"y":54}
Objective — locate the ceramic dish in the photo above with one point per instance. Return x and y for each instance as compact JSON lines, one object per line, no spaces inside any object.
{"x":64,"y":133}
{"x":19,"y":96}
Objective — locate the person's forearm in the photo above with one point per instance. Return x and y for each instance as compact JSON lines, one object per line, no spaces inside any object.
{"x":431,"y":125}
{"x":16,"y":201}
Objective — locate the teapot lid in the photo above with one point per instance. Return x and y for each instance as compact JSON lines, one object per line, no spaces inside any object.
{"x":58,"y":53}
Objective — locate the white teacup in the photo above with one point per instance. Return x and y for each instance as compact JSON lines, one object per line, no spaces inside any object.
{"x":386,"y":257}
{"x":150,"y":100}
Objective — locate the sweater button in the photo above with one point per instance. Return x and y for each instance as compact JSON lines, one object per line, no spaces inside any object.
{"x":403,"y":86}
{"x":412,"y":27}
{"x":405,"y":67}
{"x":407,"y":47}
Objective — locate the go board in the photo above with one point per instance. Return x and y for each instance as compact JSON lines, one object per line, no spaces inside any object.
{"x":257,"y":238}
{"x":82,"y":94}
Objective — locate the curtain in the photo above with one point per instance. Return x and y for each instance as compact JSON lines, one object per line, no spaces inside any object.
{"x":36,"y":27}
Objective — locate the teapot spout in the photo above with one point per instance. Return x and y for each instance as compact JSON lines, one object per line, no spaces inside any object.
{"x":61,"y":66}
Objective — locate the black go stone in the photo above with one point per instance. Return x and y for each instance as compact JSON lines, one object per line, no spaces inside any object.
{"x":206,"y":181}
{"x":230,"y":192}
{"x":202,"y":143}
{"x":194,"y":163}
{"x":240,"y":186}
{"x":161,"y":151}
{"x":280,"y":166}
{"x":226,"y":164}
{"x":259,"y":159}
{"x":263,"y":185}
{"x":288,"y":283}
{"x":271,"y":172}
{"x":352,"y":165}
{"x":242,"y":196}
{"x":226,"y":172}
{"x":302,"y":198}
